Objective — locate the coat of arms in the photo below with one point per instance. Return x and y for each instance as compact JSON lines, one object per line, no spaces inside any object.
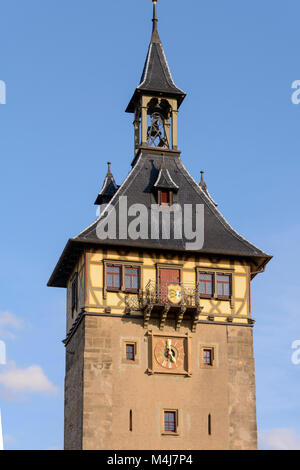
{"x":174,"y":294}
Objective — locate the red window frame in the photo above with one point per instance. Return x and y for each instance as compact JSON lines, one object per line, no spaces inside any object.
{"x":165,"y":197}
{"x":223,"y":283}
{"x":116,"y":285}
{"x":170,"y":421}
{"x":130,"y":352}
{"x":206,"y":283}
{"x":131,"y":273}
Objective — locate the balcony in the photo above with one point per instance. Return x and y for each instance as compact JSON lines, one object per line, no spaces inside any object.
{"x":177,"y":301}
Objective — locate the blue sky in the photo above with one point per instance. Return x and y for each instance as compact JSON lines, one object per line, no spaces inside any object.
{"x":70,"y":68}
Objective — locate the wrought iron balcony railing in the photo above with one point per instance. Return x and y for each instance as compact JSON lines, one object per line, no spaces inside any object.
{"x":172,"y":294}
{"x":172,"y":300}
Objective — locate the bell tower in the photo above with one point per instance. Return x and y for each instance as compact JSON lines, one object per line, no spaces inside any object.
{"x":159,"y":330}
{"x":156,"y":100}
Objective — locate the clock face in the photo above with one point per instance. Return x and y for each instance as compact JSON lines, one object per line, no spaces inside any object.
{"x":169,"y":353}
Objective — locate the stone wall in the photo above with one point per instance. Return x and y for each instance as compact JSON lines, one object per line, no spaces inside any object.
{"x":98,"y":383}
{"x":74,"y":390}
{"x":241,"y":388}
{"x":102,"y":390}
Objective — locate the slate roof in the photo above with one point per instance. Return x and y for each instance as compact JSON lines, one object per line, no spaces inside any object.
{"x":219,"y":237}
{"x":156,"y":169}
{"x":156,"y":77}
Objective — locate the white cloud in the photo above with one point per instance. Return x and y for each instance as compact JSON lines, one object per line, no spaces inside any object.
{"x":8,"y":439}
{"x":7,"y":321}
{"x":32,"y":379}
{"x":279,"y":439}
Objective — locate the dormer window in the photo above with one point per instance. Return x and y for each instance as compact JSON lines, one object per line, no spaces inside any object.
{"x":165,"y":187}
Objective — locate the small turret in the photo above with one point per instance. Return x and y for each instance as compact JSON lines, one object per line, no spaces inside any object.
{"x":108,"y":190}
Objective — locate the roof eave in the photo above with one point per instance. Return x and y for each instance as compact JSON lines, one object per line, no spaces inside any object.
{"x":179,"y":96}
{"x":261,"y":260}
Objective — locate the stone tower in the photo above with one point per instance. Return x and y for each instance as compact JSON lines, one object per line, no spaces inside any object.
{"x":159,"y":341}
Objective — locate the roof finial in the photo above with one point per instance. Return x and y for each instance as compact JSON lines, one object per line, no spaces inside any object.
{"x":108,"y":168}
{"x":202,"y":182}
{"x":155,"y":19}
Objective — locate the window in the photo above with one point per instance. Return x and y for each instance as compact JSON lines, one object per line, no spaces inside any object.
{"x":113,"y":277}
{"x":131,"y":279}
{"x":207,"y":357}
{"x":223,"y":285}
{"x":215,"y":285}
{"x":165,"y":197}
{"x":170,"y":421}
{"x":74,"y":293}
{"x":122,"y":277}
{"x":206,"y":284}
{"x":130,"y":352}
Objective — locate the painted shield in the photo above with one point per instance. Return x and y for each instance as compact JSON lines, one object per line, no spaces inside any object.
{"x":174,"y":294}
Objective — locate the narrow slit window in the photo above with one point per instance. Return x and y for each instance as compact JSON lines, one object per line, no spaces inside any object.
{"x":209,"y":424}
{"x":130,"y":420}
{"x":74,"y":293}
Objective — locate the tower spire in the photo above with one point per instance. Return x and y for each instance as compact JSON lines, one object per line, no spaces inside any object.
{"x":156,"y":77}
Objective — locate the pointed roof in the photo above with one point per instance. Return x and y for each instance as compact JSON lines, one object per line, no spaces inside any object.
{"x":156,"y":76}
{"x":164,"y":180}
{"x":203,"y":186}
{"x":109,"y":188}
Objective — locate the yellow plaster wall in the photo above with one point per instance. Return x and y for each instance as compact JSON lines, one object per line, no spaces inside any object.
{"x":98,"y":300}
